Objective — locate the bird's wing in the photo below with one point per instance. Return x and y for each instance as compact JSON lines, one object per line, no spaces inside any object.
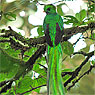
{"x":59,"y":31}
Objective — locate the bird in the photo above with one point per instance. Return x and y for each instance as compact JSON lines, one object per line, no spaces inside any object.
{"x":53,"y":30}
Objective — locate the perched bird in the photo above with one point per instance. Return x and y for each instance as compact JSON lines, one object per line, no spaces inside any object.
{"x":53,"y":29}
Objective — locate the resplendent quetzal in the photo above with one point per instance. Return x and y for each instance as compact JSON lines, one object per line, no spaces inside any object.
{"x":53,"y":29}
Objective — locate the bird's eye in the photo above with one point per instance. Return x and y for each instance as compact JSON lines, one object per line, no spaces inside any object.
{"x":48,"y":9}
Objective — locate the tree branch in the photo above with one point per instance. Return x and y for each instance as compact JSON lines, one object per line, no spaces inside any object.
{"x":36,"y":55}
{"x":3,"y":83}
{"x":34,"y":41}
{"x":29,"y":64}
{"x":77,"y":70}
{"x":87,"y":72}
{"x":81,"y":52}
{"x":41,"y":40}
{"x":4,"y":41}
{"x":10,"y":33}
{"x":17,"y":46}
{"x":6,"y":87}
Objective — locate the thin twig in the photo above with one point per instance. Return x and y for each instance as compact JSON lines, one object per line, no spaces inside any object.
{"x":87,"y":72}
{"x":92,"y":1}
{"x":77,"y":70}
{"x":32,"y":89}
{"x":43,"y":66}
{"x":81,"y":52}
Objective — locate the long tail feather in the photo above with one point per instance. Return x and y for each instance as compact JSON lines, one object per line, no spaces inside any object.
{"x":55,"y":86}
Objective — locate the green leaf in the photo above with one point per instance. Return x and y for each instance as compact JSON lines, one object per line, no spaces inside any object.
{"x":66,"y":70}
{"x":91,"y":8}
{"x":39,"y":70}
{"x":6,"y":76}
{"x":41,"y":60}
{"x":8,"y":63}
{"x":10,"y":16}
{"x":67,"y":76}
{"x":71,"y":19}
{"x":93,"y":62}
{"x":4,"y":45}
{"x":39,"y":30}
{"x":68,"y":48}
{"x":11,"y":51}
{"x":11,"y":92}
{"x":26,"y":83}
{"x":77,"y":20}
{"x":59,"y":9}
{"x":29,"y":53}
{"x":35,"y":67}
{"x":93,"y":36}
{"x":81,"y":15}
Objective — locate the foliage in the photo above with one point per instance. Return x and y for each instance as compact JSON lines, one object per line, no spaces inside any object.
{"x":78,"y":20}
{"x":14,"y":59}
{"x":68,"y":48}
{"x":59,"y":9}
{"x":11,"y":62}
{"x":10,"y":16}
{"x":40,"y":30}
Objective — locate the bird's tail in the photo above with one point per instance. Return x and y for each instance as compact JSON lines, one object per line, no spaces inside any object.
{"x":54,"y":82}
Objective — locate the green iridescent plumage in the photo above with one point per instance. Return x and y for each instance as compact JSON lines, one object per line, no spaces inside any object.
{"x":53,"y":28}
